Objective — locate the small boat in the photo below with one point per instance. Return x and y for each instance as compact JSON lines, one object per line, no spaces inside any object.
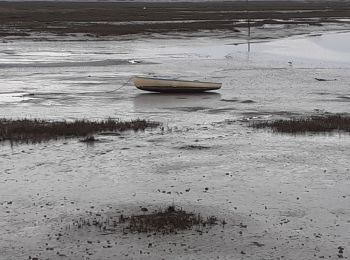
{"x":173,"y":85}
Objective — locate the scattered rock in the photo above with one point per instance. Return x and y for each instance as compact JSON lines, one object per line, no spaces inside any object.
{"x":247,"y":101}
{"x":320,"y":79}
{"x":258,"y":244}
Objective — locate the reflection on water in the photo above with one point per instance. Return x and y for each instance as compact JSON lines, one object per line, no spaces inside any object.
{"x":166,"y":100}
{"x":331,"y":47}
{"x":339,"y":42}
{"x":275,"y":82}
{"x":12,"y":97}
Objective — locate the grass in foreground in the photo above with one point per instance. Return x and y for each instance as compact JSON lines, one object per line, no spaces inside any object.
{"x":313,"y":124}
{"x":170,"y":220}
{"x":167,"y":221}
{"x":38,"y":130}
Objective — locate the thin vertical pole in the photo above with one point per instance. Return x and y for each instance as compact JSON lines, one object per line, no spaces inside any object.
{"x":248,"y":18}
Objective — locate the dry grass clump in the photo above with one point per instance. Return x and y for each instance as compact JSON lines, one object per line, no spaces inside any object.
{"x":194,"y":147}
{"x":39,"y":130}
{"x":89,"y":139}
{"x":167,"y":221}
{"x":313,"y":124}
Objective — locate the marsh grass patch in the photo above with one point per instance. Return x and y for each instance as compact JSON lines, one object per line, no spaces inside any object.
{"x":39,"y":130}
{"x":190,"y":109}
{"x":344,"y":97}
{"x":194,"y":147}
{"x":164,"y":221}
{"x":248,"y":101}
{"x":230,"y":100}
{"x":170,"y":220}
{"x":89,"y":139}
{"x":312,"y":124}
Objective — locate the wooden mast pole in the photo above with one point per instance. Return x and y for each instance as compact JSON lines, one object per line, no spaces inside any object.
{"x":248,"y":19}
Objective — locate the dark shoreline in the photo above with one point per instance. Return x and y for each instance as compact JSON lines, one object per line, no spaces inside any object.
{"x":118,"y":18}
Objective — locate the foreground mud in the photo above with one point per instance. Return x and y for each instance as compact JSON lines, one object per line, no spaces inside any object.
{"x":279,"y":195}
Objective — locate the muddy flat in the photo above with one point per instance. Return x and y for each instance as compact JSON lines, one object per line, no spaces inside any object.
{"x":108,"y":18}
{"x":282,"y":196}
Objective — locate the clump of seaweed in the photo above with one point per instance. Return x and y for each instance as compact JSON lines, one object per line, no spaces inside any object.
{"x":194,"y":147}
{"x":39,"y":130}
{"x":167,"y":221}
{"x":89,"y":139}
{"x":312,"y":124}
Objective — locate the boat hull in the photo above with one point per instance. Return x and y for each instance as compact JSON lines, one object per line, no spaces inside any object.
{"x":174,"y":86}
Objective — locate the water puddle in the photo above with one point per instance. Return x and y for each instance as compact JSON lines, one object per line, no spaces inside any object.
{"x":96,"y":63}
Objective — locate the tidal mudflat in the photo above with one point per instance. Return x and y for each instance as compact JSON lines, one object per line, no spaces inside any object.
{"x":273,"y":196}
{"x":95,"y":20}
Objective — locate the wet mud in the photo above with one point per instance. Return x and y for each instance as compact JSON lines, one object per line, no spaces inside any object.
{"x":96,"y":20}
{"x":281,"y":196}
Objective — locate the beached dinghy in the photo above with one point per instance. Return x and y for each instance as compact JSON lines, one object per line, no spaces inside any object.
{"x":172,"y":85}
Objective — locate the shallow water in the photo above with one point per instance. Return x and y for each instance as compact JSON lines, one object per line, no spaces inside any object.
{"x":329,"y":48}
{"x":57,"y":73}
{"x":292,"y":192}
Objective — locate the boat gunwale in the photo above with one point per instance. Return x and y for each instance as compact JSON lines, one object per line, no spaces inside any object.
{"x":176,"y":90}
{"x":179,"y":80}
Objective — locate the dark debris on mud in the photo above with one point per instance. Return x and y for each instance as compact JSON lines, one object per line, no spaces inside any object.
{"x":89,"y":139}
{"x":168,"y":221}
{"x":194,"y":147}
{"x":39,"y":130}
{"x":312,"y":124}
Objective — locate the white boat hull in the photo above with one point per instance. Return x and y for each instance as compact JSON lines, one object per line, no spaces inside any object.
{"x":165,"y":85}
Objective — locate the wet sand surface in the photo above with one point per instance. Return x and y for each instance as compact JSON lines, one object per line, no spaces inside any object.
{"x":282,"y":196}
